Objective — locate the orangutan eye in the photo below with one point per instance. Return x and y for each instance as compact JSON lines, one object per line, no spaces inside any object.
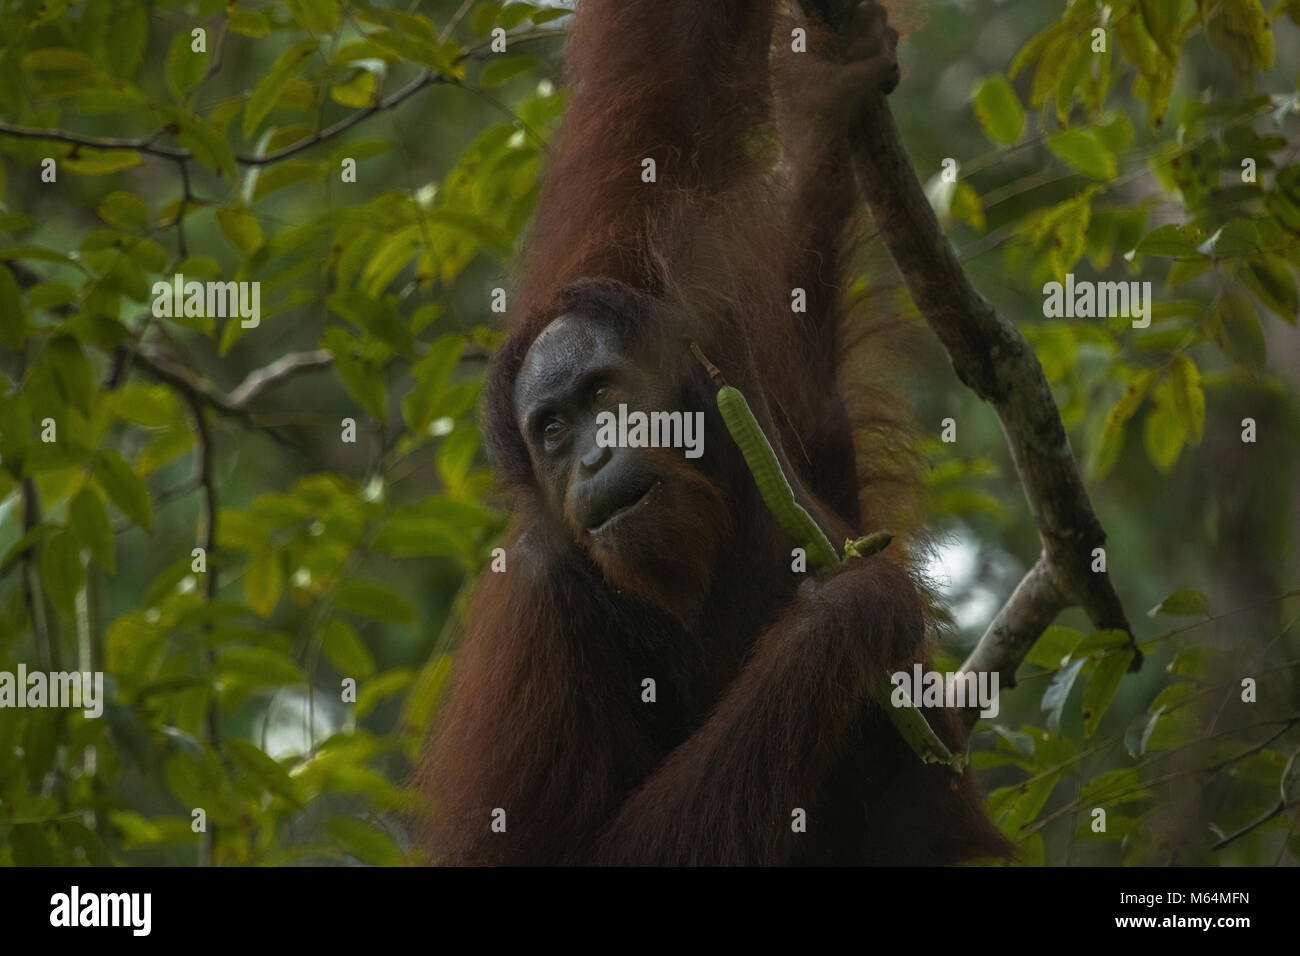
{"x":553,"y":430}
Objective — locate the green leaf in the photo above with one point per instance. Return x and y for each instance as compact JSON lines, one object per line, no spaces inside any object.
{"x":999,"y":112}
{"x":1189,"y":399}
{"x":248,"y":23}
{"x":184,"y":68}
{"x":123,"y":487}
{"x":88,"y":519}
{"x":263,"y":582}
{"x":1163,"y":432}
{"x":208,"y":146}
{"x":151,"y":406}
{"x":372,"y":600}
{"x":1173,"y":730}
{"x":419,"y":537}
{"x":15,"y":430}
{"x":1184,"y":602}
{"x":1203,"y":662}
{"x":275,"y":82}
{"x":61,"y":569}
{"x":240,"y":227}
{"x":1123,"y":409}
{"x":502,"y":69}
{"x":260,"y":766}
{"x":1062,"y":231}
{"x":31,"y":847}
{"x":357,"y":91}
{"x":1023,"y":802}
{"x":365,"y":383}
{"x":13,"y":324}
{"x":51,"y":294}
{"x":165,"y":446}
{"x":1083,"y":150}
{"x":1170,"y":240}
{"x":456,"y":455}
{"x":1102,"y":686}
{"x":318,"y":16}
{"x":394,"y":252}
{"x":513,"y":14}
{"x":1174,"y":695}
{"x":1240,"y":29}
{"x":1161,"y":17}
{"x":380,"y":318}
{"x":1139,"y":732}
{"x":99,"y":162}
{"x":345,"y":649}
{"x":966,"y":206}
{"x":1270,"y":279}
{"x":287,"y":172}
{"x":125,"y":211}
{"x":1058,"y":691}
{"x":363,"y":840}
{"x":547,"y":14}
{"x":1234,"y":239}
{"x":72,"y":371}
{"x":260,"y":666}
{"x":1233,"y":324}
{"x":378,"y":688}
{"x":1053,"y":646}
{"x":363,"y":380}
{"x":58,"y":58}
{"x":431,"y":374}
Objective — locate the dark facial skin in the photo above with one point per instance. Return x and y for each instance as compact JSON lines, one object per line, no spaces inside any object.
{"x":574,"y":370}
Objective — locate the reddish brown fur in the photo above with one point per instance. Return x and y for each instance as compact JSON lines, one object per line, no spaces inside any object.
{"x":762,"y":682}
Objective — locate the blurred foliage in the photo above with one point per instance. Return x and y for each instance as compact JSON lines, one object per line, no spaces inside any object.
{"x":371,"y":168}
{"x":181,"y":506}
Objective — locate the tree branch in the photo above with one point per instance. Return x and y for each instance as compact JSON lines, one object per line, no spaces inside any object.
{"x":176,"y":154}
{"x":425,"y":78}
{"x":203,"y":476}
{"x":282,"y":369}
{"x":1255,"y":824}
{"x":992,"y":358}
{"x":15,"y":131}
{"x":1031,"y":608}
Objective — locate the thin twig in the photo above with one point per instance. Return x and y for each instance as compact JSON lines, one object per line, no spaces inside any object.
{"x":1253,"y":825}
{"x":47,"y":644}
{"x":203,"y":475}
{"x":176,"y":154}
{"x":282,"y":369}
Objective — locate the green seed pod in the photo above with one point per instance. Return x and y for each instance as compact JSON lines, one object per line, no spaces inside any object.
{"x":865,"y":547}
{"x":772,"y":484}
{"x":799,"y":525}
{"x":916,"y":730}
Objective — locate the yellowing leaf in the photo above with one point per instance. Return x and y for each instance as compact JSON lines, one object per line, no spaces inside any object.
{"x":124,"y":487}
{"x":184,"y":68}
{"x":1189,"y":398}
{"x":275,"y":82}
{"x":98,"y":162}
{"x":241,"y":227}
{"x":263,"y":582}
{"x":58,"y":58}
{"x":999,"y":112}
